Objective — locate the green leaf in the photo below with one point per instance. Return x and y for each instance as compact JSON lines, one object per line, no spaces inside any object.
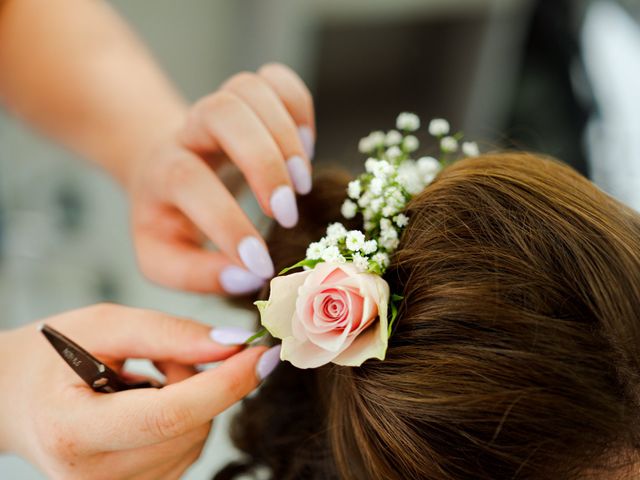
{"x":374,"y":267}
{"x":302,"y":263}
{"x":259,"y":334}
{"x":395,"y":299}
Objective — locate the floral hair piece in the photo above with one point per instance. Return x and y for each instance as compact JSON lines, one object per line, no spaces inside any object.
{"x":339,"y":308}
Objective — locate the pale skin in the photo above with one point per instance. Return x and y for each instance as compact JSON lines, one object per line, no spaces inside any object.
{"x":73,"y":70}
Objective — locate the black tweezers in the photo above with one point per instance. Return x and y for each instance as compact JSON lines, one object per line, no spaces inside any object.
{"x":98,"y":376}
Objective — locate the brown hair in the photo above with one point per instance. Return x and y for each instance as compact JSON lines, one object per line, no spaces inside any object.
{"x":517,"y":348}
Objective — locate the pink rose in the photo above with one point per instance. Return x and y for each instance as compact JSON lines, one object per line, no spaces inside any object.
{"x":332,"y":313}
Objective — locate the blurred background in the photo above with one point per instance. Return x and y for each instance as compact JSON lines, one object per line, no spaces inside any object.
{"x":558,"y":77}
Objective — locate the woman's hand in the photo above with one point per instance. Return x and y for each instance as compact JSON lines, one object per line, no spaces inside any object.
{"x":52,"y":418}
{"x":263,"y":124}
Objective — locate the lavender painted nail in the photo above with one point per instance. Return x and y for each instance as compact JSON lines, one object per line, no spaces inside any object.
{"x":300,"y":175}
{"x":283,"y":205}
{"x":230,"y":335}
{"x":237,"y":281}
{"x":268,"y":362}
{"x":306,"y":137}
{"x":255,"y":257}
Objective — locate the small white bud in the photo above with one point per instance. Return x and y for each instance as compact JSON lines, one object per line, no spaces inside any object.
{"x":401,"y":220}
{"x":410,"y":143}
{"x":369,"y":246}
{"x":360,"y":262}
{"x":393,"y":152}
{"x":377,"y":138}
{"x":355,"y":240}
{"x":449,"y":144}
{"x":348,"y":209}
{"x":470,"y":149}
{"x":365,"y":145}
{"x":438,"y":127}
{"x":336,"y":231}
{"x":381,"y":259}
{"x":370,"y":164}
{"x":354,"y":189}
{"x":376,"y":185}
{"x":382,"y":168}
{"x":315,"y":250}
{"x":408,"y":121}
{"x":332,"y":254}
{"x":394,"y":137}
{"x":428,"y":166}
{"x":390,"y":243}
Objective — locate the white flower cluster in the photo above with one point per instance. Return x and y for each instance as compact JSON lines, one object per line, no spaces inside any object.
{"x":381,"y":194}
{"x":340,"y":245}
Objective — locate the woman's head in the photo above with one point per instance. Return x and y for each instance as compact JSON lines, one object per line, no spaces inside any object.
{"x":517,"y":347}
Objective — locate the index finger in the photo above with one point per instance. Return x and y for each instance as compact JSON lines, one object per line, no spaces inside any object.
{"x":296,"y":97}
{"x":137,"y":418}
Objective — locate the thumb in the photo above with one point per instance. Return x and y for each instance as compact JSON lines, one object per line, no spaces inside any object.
{"x":119,"y":332}
{"x":136,"y":418}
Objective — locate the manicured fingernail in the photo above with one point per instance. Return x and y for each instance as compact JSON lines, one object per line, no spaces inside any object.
{"x":306,"y":137}
{"x":230,"y":335}
{"x":268,"y":362}
{"x":283,"y":205}
{"x":237,"y":281}
{"x":255,"y":257}
{"x":300,"y":175}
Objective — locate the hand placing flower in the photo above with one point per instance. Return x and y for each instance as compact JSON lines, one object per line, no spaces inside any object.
{"x":332,"y":313}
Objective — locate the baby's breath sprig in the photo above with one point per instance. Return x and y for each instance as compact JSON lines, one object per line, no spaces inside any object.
{"x":450,"y":143}
{"x":382,"y":192}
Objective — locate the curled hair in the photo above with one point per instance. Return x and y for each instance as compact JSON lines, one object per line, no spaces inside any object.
{"x":517,"y":347}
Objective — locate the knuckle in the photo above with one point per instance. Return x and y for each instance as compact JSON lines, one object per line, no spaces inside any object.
{"x":236,"y":384}
{"x":242,"y":80}
{"x":57,"y":442}
{"x":274,"y":68}
{"x":167,"y":422}
{"x":222,"y":100}
{"x":180,"y":172}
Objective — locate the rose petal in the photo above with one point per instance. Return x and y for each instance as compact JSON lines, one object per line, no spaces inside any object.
{"x":369,"y":344}
{"x":368,"y":315}
{"x":336,"y":340}
{"x":304,"y":354}
{"x":336,"y":275}
{"x":372,"y":342}
{"x":332,"y":297}
{"x":298,"y":329}
{"x":277,"y":314}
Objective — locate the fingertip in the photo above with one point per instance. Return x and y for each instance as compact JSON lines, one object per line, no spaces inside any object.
{"x":230,"y":336}
{"x":267,"y":362}
{"x":237,"y":281}
{"x":300,"y":174}
{"x":284,"y":207}
{"x":307,"y":139}
{"x":255,"y":256}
